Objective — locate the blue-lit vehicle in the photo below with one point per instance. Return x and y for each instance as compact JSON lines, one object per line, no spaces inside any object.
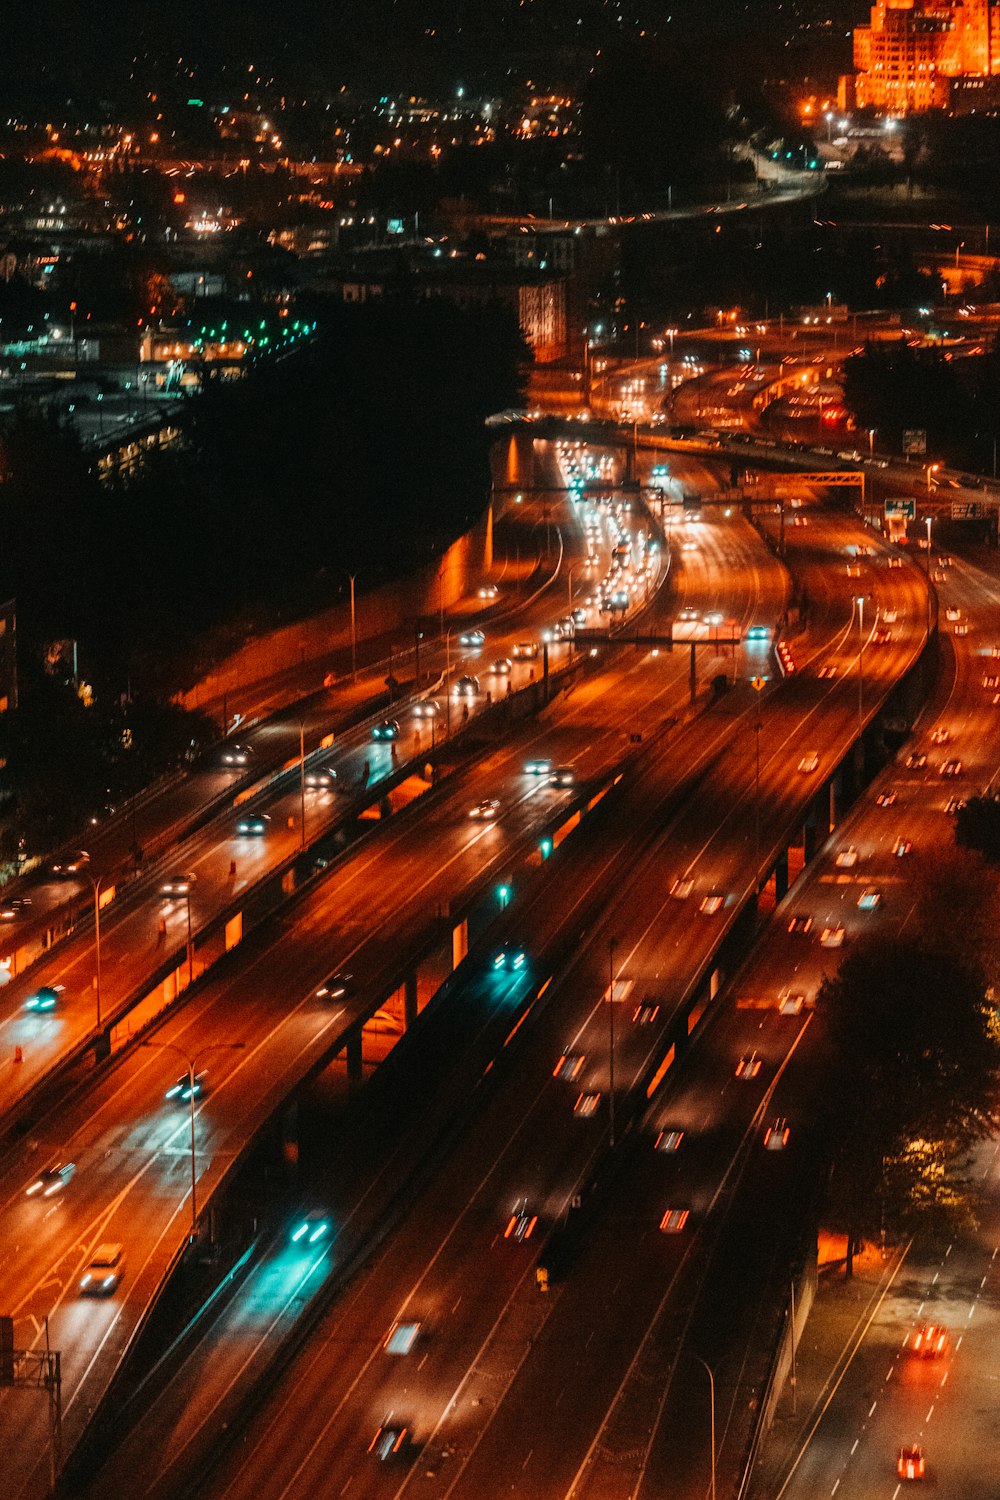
{"x":45,"y":998}
{"x":509,"y":959}
{"x":387,"y":730}
{"x":183,"y":1091}
{"x":311,"y":1230}
{"x":253,"y":823}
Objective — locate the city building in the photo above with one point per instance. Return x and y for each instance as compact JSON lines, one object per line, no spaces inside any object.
{"x":915,"y":54}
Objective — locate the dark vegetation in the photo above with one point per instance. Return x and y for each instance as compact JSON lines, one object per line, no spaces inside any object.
{"x":366,"y":450}
{"x":914,"y":1027}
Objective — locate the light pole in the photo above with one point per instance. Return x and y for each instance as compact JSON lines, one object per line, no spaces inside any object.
{"x":758,"y":684}
{"x":612,"y":944}
{"x":927,"y":523}
{"x":189,"y":1064}
{"x":859,"y":600}
{"x":302,"y":782}
{"x":354,"y":632}
{"x":931,"y":470}
{"x":447,"y":683}
{"x":711,"y":1397}
{"x":190,"y":937}
{"x":95,"y":881}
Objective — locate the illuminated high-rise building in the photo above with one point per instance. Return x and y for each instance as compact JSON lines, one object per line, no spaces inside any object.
{"x":910,"y":51}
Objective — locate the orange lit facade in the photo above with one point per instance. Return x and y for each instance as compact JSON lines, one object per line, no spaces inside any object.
{"x":912,"y":49}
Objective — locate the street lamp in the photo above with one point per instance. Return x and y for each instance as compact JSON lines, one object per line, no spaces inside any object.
{"x":95,"y":881}
{"x":612,"y":944}
{"x":711,"y":1397}
{"x":927,"y":523}
{"x":302,"y":784}
{"x":859,"y":600}
{"x":354,"y":632}
{"x":931,"y":470}
{"x":758,"y":684}
{"x":189,"y":1064}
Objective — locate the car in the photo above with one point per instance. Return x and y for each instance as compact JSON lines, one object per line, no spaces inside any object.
{"x":183,"y":1092}
{"x":954,"y":805}
{"x":801,"y":923}
{"x":870,"y":899}
{"x":776,"y":1135}
{"x":579,"y":616}
{"x":569,"y":1066}
{"x":890,"y":616}
{"x":389,"y":1439}
{"x":646,"y":1012}
{"x":809,"y":763}
{"x":386,"y":729}
{"x":502,"y":667}
{"x":828,"y":672}
{"x":854,"y":570}
{"x":910,"y":1463}
{"x":489,"y":591}
{"x":321,"y":779}
{"x":50,"y":1180}
{"x":941,"y":736}
{"x":252,"y":823}
{"x":562,"y":776}
{"x":14,"y":907}
{"x":509,"y":959}
{"x":944,"y":561}
{"x":790,"y":1003}
{"x":939,"y":575}
{"x":902,"y":847}
{"x":749,"y":1065}
{"x":951,"y":613}
{"x":467,"y":687}
{"x":682,"y":888}
{"x":522,"y":1222}
{"x":951,"y":768}
{"x":894,"y":562}
{"x":45,"y":998}
{"x":833,"y":936}
{"x":991,"y":683}
{"x":712,"y":904}
{"x":104,"y":1271}
{"x":427,"y":708}
{"x":687,"y":613}
{"x":846,"y":858}
{"x":485,"y":811}
{"x":669,"y":1140}
{"x":339,"y":986}
{"x":178,"y":884}
{"x":474,"y":638}
{"x":402,"y":1336}
{"x":539,"y":766}
{"x":962,"y":629}
{"x":586,"y":1103}
{"x":73,"y":863}
{"x":886,"y":799}
{"x":236,"y":755}
{"x":312,"y":1229}
{"x":916,"y":760}
{"x":929,"y":1341}
{"x":674,"y":1219}
{"x":525,"y":650}
{"x":882,"y":637}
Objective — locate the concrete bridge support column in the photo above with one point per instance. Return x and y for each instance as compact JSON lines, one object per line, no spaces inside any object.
{"x":354,"y":1069}
{"x":459,"y":942}
{"x":781,"y":878}
{"x":290,"y":1134}
{"x":409,"y":1000}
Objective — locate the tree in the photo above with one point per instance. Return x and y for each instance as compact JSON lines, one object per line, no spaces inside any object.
{"x":917,"y":1079}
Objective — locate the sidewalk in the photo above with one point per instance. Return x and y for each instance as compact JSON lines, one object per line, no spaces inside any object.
{"x":839,"y":1317}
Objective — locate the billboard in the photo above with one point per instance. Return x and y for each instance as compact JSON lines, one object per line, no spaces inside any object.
{"x":903,"y":508}
{"x":915,"y":440}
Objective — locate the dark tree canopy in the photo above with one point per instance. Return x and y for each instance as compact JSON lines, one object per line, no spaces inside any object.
{"x":917,"y":1054}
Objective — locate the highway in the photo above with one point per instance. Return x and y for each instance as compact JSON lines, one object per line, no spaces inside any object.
{"x":140,"y":932}
{"x":485,"y":1335}
{"x":130,"y":1146}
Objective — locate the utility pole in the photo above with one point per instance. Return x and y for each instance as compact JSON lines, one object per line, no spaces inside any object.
{"x":612,"y":944}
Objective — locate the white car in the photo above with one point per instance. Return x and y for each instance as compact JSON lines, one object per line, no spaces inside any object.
{"x":951,"y":613}
{"x":485,"y":811}
{"x":711,"y":904}
{"x":809,"y":763}
{"x":681,"y":889}
{"x":847,"y":858}
{"x":833,"y":937}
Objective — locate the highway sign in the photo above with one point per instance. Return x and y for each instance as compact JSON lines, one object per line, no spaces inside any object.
{"x":915,"y":440}
{"x":905,"y":508}
{"x":967,"y":510}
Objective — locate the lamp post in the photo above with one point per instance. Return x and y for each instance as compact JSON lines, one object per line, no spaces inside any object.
{"x":758,"y":684}
{"x":927,"y":523}
{"x":711,"y":1397}
{"x":302,"y":782}
{"x":96,"y":881}
{"x":931,"y":470}
{"x":612,"y":944}
{"x":447,"y":683}
{"x":354,"y":632}
{"x":189,"y":1064}
{"x":859,"y":600}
